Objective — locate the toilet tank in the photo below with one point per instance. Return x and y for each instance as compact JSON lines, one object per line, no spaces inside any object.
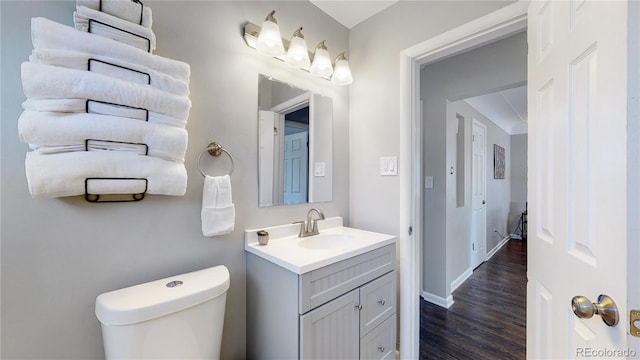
{"x":179,"y":317}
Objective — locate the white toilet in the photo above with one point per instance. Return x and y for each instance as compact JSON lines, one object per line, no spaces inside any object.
{"x":179,"y":317}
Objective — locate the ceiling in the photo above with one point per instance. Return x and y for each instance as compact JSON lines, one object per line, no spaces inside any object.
{"x":506,"y":108}
{"x":350,"y":13}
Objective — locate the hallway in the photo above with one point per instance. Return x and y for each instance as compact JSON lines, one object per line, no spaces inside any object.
{"x":488,"y":318}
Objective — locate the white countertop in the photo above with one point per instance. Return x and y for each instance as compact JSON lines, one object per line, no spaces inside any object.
{"x":283,"y":248}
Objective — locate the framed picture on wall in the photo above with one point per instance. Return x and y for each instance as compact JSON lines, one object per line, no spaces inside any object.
{"x":498,"y":162}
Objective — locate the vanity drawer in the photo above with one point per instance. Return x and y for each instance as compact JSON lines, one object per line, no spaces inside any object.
{"x":322,"y":285}
{"x":380,"y":343}
{"x":378,"y":300}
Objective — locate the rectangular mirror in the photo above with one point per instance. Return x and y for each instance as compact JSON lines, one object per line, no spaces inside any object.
{"x":295,"y":144}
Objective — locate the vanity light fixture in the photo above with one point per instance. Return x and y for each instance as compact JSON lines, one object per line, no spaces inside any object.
{"x":342,"y":71}
{"x":268,"y":41}
{"x":297,"y":54}
{"x":321,"y":65}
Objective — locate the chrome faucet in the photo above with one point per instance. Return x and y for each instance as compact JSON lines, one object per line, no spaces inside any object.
{"x":310,"y":227}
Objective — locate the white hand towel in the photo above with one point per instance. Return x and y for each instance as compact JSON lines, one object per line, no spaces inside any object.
{"x":51,"y":132}
{"x":80,"y":106}
{"x":109,"y":66}
{"x":218,"y":212}
{"x":64,"y":174}
{"x":124,"y":9}
{"x":47,"y":34}
{"x":111,"y":27}
{"x":54,"y":82}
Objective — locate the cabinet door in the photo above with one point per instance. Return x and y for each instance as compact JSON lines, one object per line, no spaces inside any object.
{"x":378,"y":299}
{"x":332,"y":330}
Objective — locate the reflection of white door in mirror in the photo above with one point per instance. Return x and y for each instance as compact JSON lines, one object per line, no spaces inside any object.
{"x":288,"y":177}
{"x":296,"y":170}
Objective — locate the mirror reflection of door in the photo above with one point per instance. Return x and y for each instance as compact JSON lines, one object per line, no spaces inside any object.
{"x":295,"y":144}
{"x":291,"y":129}
{"x":296,"y":157}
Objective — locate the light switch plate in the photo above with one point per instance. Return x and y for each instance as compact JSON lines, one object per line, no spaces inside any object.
{"x":428,"y":182}
{"x":318,"y":169}
{"x":389,"y":166}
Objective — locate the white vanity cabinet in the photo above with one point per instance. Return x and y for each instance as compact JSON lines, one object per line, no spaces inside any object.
{"x":345,"y":310}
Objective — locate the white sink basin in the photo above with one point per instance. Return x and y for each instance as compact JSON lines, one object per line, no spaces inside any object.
{"x":301,"y":255}
{"x":327,"y":241}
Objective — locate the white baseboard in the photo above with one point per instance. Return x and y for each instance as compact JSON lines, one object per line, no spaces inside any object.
{"x":438,"y":300}
{"x":498,"y":247}
{"x":457,"y":282}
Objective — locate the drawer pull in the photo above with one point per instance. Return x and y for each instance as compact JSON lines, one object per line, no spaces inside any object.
{"x":359,"y":307}
{"x":381,"y":302}
{"x":380,"y":348}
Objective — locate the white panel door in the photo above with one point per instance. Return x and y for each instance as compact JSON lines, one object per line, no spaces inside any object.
{"x":478,"y":196}
{"x":577,"y":174}
{"x":296,"y":167}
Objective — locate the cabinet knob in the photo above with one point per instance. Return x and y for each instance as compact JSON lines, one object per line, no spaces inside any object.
{"x":381,"y":302}
{"x":380,"y":348}
{"x":359,"y":307}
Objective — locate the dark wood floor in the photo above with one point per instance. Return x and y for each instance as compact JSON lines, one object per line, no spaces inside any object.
{"x":488,"y":317}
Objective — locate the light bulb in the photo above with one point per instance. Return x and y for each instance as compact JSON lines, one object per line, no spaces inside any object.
{"x":297,"y":54}
{"x":269,"y":39}
{"x":342,"y":71}
{"x":321,"y":65}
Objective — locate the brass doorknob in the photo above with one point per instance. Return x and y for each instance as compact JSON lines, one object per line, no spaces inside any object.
{"x":605,"y":307}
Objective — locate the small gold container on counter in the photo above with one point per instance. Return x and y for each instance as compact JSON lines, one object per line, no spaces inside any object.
{"x":263,"y":237}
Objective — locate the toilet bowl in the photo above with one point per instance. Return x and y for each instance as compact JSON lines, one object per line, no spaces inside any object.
{"x":179,"y":317}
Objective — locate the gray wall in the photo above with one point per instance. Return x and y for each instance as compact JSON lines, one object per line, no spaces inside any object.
{"x":489,"y":68}
{"x":57,"y":255}
{"x":518,"y":180}
{"x":374,"y":56}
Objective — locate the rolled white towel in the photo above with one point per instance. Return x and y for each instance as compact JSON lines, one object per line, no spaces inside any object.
{"x":54,"y":82}
{"x":47,"y":34}
{"x":109,"y":26}
{"x":87,"y":106}
{"x":64,"y":174}
{"x":105,"y":65}
{"x":50,"y":132}
{"x":124,"y":9}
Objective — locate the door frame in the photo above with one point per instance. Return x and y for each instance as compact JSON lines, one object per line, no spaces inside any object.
{"x":633,"y":166}
{"x":499,"y":24}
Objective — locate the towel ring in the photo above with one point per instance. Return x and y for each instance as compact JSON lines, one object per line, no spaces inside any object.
{"x":214,"y":149}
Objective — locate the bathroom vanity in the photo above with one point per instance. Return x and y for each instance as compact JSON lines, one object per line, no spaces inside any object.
{"x":331,"y":295}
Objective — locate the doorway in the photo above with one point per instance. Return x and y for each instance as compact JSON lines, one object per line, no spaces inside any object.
{"x":501,"y":23}
{"x":466,"y":211}
{"x":296,"y":157}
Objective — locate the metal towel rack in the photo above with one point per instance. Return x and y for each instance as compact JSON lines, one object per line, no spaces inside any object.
{"x":214,"y":149}
{"x":135,"y":1}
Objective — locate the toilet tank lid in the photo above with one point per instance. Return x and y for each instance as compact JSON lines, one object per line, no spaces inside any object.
{"x":161,"y":297}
